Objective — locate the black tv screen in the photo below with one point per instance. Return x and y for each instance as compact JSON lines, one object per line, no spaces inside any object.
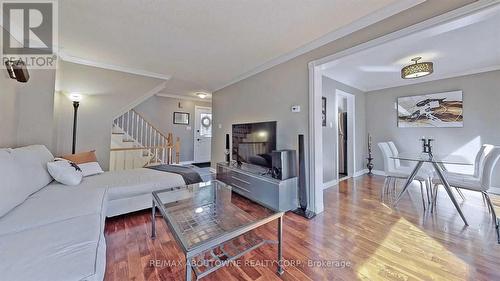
{"x":254,"y":142}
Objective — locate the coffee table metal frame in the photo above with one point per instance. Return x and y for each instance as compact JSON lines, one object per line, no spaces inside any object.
{"x":218,"y":240}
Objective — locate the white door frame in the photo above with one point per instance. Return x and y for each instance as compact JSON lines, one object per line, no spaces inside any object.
{"x":195,"y":136}
{"x":351,"y":133}
{"x":315,"y":171}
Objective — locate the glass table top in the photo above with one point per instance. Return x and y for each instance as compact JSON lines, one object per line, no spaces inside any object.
{"x":436,"y":158}
{"x":201,"y":212}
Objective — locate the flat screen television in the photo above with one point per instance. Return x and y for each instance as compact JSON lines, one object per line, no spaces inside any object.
{"x":254,"y":142}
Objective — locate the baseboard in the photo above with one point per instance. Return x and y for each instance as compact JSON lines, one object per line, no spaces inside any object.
{"x":186,"y":162}
{"x":330,"y":184}
{"x":378,"y":173}
{"x":494,"y":190}
{"x":360,"y":173}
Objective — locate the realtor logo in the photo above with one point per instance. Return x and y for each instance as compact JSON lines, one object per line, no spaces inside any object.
{"x":29,"y":32}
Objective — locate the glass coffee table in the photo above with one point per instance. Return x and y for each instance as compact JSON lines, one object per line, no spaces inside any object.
{"x":210,"y":227}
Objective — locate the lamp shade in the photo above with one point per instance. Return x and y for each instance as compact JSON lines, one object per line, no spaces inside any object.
{"x":75,"y":97}
{"x":418,"y":69}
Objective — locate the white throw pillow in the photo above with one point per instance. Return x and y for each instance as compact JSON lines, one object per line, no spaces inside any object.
{"x":90,"y":169}
{"x":65,"y":172}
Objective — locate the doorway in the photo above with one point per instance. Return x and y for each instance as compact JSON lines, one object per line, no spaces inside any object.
{"x":345,"y":156}
{"x":342,"y":137}
{"x":202,"y":135}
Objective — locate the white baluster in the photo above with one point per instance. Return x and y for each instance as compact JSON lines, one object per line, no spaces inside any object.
{"x":131,"y":117}
{"x":150,"y":136}
{"x":136,"y":126}
{"x":132,"y":123}
{"x":124,"y":127}
{"x":142,"y":132}
{"x":164,"y":155}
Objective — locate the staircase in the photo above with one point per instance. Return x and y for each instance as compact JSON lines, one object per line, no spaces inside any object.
{"x":136,"y":143}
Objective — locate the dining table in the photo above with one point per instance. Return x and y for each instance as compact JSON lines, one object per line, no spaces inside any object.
{"x":438,"y":162}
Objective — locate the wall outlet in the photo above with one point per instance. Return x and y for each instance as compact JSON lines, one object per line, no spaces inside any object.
{"x":220,"y":126}
{"x":295,"y":108}
{"x":188,"y":128}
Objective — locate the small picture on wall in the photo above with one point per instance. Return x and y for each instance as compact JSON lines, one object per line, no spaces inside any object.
{"x":435,"y":110}
{"x":181,"y":118}
{"x":323,"y":111}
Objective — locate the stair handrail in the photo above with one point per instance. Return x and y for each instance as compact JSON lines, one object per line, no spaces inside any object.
{"x":140,"y":148}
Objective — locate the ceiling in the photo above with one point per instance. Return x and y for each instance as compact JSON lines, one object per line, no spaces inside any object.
{"x":203,"y":45}
{"x":463,"y":46}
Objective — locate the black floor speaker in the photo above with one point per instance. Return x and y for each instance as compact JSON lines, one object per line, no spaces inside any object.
{"x":303,"y":192}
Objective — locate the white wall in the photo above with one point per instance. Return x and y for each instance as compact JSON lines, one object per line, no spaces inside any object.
{"x":106,"y":94}
{"x":481,"y":94}
{"x":330,"y":150}
{"x":159,"y":111}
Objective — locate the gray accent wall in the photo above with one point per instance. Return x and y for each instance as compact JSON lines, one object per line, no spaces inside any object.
{"x":8,"y":112}
{"x":481,"y":95}
{"x":269,"y":94}
{"x":27,"y":110}
{"x":159,"y":111}
{"x":330,"y":151}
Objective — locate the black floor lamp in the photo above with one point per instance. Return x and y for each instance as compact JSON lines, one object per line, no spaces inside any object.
{"x":75,"y":98}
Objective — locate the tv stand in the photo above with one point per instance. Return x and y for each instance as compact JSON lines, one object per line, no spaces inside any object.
{"x":256,"y":184}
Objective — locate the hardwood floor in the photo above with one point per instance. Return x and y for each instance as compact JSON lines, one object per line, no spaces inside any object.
{"x":376,"y":242}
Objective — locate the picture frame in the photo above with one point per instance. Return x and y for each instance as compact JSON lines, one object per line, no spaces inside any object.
{"x":181,"y":118}
{"x":439,"y":110}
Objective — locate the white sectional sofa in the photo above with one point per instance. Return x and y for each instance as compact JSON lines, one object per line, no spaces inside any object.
{"x":49,"y":231}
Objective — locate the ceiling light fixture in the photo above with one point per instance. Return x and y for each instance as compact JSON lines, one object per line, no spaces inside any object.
{"x":417,"y":70}
{"x":201,"y":95}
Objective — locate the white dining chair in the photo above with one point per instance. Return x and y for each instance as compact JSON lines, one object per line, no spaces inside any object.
{"x":393,"y":174}
{"x":482,"y":183}
{"x":408,"y":169}
{"x":478,"y":164}
{"x":478,"y":168}
{"x":395,"y":151}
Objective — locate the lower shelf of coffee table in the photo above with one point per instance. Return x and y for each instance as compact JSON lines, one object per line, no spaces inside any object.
{"x":222,"y":255}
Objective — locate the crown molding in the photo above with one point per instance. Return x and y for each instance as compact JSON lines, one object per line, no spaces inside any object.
{"x":181,"y":97}
{"x":69,"y":58}
{"x":359,"y":24}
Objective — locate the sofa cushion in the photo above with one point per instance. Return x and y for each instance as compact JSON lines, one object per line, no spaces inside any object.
{"x":90,"y":169}
{"x":54,"y":203}
{"x":65,"y":250}
{"x":11,"y":192}
{"x":130,"y":183}
{"x":32,"y":161}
